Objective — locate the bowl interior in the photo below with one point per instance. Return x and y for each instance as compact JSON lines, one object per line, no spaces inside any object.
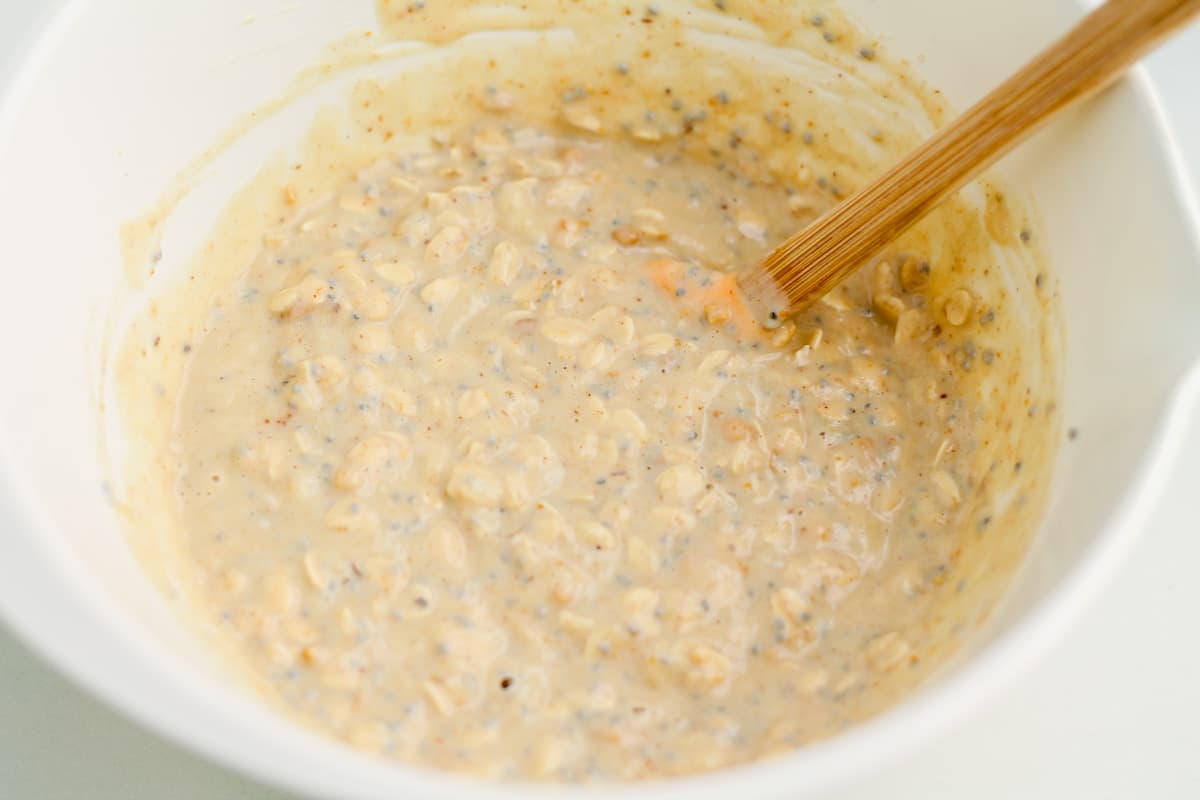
{"x":119,"y":95}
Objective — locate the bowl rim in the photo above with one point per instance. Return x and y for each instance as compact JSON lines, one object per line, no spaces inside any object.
{"x":884,"y":739}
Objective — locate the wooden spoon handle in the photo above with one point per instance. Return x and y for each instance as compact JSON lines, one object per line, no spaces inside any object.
{"x":1085,"y":60}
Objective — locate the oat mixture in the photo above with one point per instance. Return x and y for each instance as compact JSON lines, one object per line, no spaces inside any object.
{"x":479,"y":467}
{"x":479,"y":493}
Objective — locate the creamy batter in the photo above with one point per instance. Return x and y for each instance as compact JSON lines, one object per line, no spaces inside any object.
{"x":476,"y":466}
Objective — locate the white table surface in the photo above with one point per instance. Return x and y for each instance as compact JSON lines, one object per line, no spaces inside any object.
{"x":1112,"y":712}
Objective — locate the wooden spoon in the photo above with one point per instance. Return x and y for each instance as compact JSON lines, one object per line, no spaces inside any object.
{"x":1085,"y":60}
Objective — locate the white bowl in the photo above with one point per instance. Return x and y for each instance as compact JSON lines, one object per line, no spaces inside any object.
{"x":114,"y":96}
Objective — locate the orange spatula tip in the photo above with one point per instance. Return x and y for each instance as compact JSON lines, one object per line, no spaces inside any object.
{"x":716,"y":296}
